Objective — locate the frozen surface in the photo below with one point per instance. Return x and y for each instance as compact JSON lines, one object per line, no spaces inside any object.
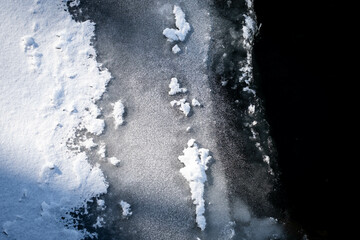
{"x":49,"y":84}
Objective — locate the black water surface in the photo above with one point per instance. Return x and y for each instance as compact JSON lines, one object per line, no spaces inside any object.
{"x":295,"y":71}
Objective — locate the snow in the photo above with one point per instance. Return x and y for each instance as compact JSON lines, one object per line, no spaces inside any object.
{"x":126,"y":210}
{"x":182,"y":27}
{"x":102,"y":150}
{"x":175,"y":87}
{"x":88,"y":143}
{"x":196,"y":160}
{"x":48,"y":93}
{"x":195,"y":103}
{"x":184,"y":106}
{"x":175,"y":49}
{"x":99,"y":222}
{"x":251,"y":109}
{"x":118,"y":112}
{"x":114,"y":161}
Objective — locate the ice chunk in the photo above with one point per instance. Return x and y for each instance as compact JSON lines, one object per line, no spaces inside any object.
{"x":196,"y":160}
{"x":175,"y":49}
{"x":126,"y":210}
{"x":175,"y":87}
{"x":118,"y":112}
{"x":184,"y":106}
{"x":182,"y":26}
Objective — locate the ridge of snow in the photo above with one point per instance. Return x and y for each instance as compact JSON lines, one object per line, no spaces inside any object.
{"x":196,"y":162}
{"x":182,"y":26}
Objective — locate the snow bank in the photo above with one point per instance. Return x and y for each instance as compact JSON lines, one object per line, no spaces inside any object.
{"x":184,"y":106}
{"x":48,"y":93}
{"x":118,"y":112}
{"x":196,"y":160}
{"x":175,"y":87}
{"x":182,"y":27}
{"x":126,"y":208}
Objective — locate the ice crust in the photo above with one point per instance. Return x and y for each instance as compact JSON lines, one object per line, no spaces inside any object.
{"x":182,"y":26}
{"x":48,"y":93}
{"x":196,"y":162}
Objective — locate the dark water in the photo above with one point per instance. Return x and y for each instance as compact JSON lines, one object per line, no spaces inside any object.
{"x":295,"y":73}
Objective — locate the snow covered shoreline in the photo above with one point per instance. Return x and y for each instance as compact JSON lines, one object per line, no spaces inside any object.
{"x":49,"y":87}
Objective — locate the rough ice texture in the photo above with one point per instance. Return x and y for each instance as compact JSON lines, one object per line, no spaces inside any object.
{"x":182,"y":27}
{"x":118,"y":112}
{"x":126,"y":210}
{"x":175,"y":87}
{"x":196,"y":160}
{"x":184,"y":106}
{"x":48,"y":93}
{"x":175,"y":49}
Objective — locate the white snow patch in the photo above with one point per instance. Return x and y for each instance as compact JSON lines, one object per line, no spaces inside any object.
{"x":118,"y":112}
{"x":182,"y":27}
{"x":99,"y":222}
{"x":102,"y":150}
{"x":47,"y":95}
{"x":195,"y":103}
{"x":251,"y":109}
{"x":184,"y":106}
{"x":266,"y":159}
{"x":196,"y":160}
{"x":114,"y":161}
{"x":126,"y":208}
{"x":88,"y":143}
{"x":175,"y":87}
{"x":175,"y":49}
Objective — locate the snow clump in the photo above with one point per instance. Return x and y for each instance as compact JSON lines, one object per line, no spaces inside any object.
{"x":175,"y":87}
{"x":118,"y":113}
{"x":182,"y":26}
{"x":196,"y":160}
{"x":126,"y":210}
{"x":184,"y":106}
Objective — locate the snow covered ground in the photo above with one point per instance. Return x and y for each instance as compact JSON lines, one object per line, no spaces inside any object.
{"x":49,"y":84}
{"x":75,"y":146}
